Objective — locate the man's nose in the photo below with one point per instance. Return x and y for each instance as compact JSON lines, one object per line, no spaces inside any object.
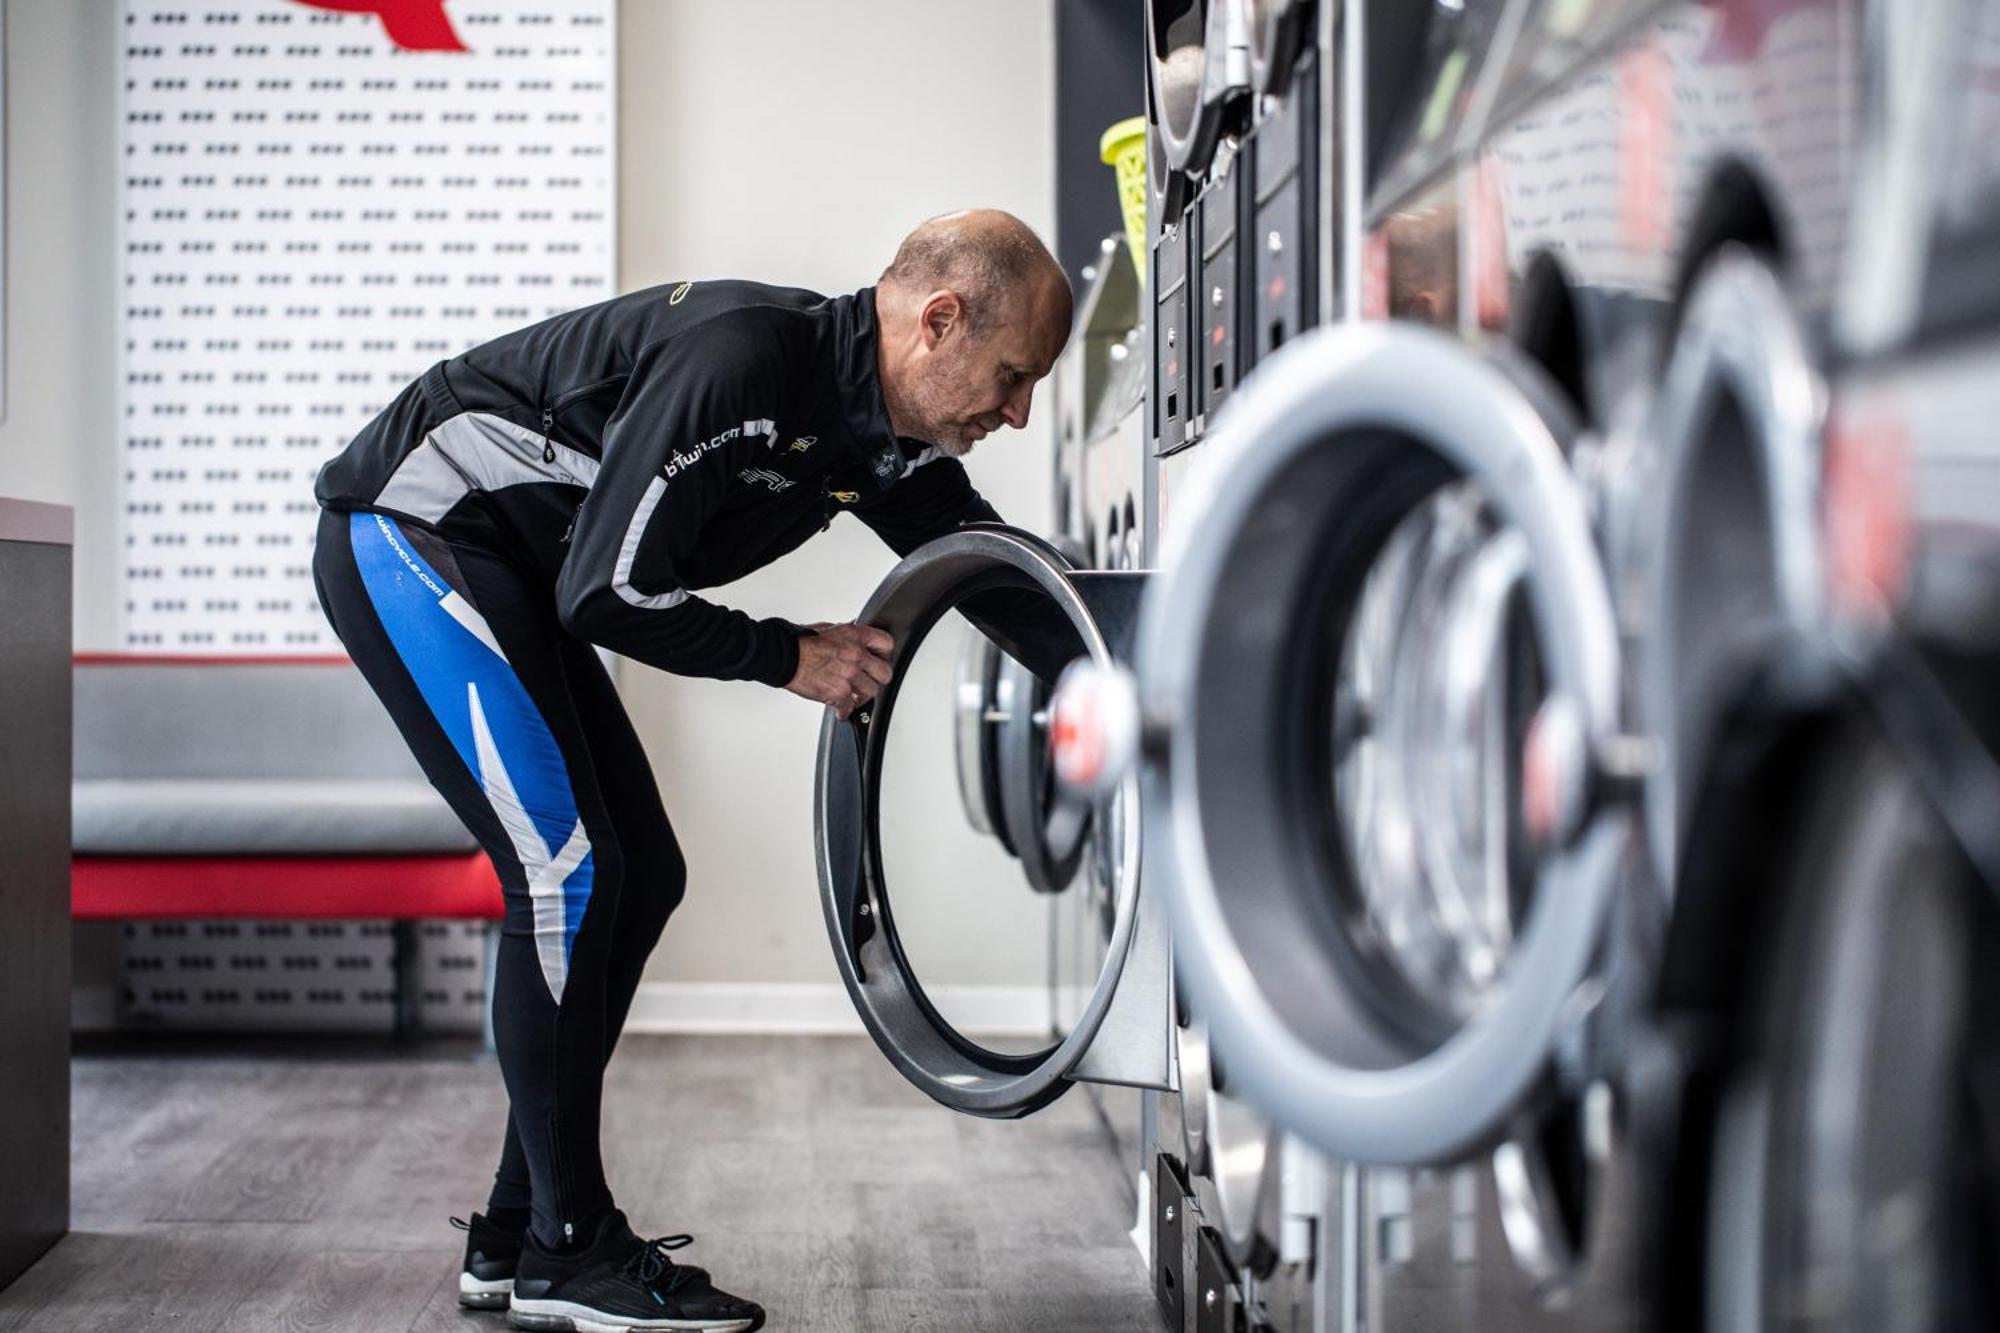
{"x":1015,"y":410}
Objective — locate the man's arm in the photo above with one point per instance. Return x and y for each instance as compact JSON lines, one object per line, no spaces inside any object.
{"x":698,"y":408}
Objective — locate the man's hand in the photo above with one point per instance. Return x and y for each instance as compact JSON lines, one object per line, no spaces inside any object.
{"x":842,"y":666}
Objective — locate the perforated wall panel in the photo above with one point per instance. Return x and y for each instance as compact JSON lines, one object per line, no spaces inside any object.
{"x":330,"y":976}
{"x":318,"y":202}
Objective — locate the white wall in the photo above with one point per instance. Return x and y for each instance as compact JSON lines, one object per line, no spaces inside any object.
{"x":797,"y":143}
{"x":58,"y":440}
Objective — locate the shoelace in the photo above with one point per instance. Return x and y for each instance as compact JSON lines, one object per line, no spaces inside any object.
{"x":649,"y":1263}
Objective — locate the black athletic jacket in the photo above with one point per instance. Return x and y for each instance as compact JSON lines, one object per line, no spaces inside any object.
{"x":671,"y":439}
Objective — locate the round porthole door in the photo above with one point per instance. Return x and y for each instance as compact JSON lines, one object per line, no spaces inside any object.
{"x":903,"y":930}
{"x":1374,"y":681}
{"x":1732,"y":559}
{"x":1198,"y":63}
{"x":1277,"y":31}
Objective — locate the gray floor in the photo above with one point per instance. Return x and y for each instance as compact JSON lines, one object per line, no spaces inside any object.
{"x":234,"y":1191}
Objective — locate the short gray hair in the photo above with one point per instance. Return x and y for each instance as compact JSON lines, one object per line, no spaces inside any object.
{"x":982,"y":263}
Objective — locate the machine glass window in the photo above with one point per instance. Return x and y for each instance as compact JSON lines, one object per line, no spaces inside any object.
{"x":960,"y":907}
{"x":1438,"y":676}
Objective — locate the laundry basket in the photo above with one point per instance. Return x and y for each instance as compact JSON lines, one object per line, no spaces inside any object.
{"x":1123,"y":147}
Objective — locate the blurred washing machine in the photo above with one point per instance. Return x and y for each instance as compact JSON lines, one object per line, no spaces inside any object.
{"x":1255,"y":1213}
{"x":1397,"y":623}
{"x":1824,"y":801}
{"x":1212,"y":1213}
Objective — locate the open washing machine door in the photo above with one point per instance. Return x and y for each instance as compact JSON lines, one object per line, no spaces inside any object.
{"x":1045,"y":612}
{"x":1198,"y":63}
{"x":1389,"y":526}
{"x":1276,"y":31}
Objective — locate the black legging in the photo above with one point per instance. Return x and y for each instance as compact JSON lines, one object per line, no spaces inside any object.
{"x":518,"y":726}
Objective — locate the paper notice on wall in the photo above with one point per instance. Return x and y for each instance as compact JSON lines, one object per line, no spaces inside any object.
{"x":317,"y":202}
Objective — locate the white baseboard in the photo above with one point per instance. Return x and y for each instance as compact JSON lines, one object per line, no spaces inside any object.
{"x":748,"y":1007}
{"x":773,"y":1007}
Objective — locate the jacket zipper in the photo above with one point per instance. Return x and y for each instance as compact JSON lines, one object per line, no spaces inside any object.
{"x":562,"y":401}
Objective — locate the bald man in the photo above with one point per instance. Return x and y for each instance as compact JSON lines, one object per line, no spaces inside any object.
{"x":575,"y":484}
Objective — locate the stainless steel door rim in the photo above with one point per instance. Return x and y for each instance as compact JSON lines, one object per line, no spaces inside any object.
{"x":1276,"y":32}
{"x":938,"y":1060}
{"x":1199,"y":60}
{"x":1740,"y":349}
{"x":1348,"y":413}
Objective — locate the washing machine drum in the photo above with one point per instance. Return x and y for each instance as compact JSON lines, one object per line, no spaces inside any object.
{"x":1025,"y":594}
{"x":978,"y":712}
{"x":1373,"y":679}
{"x":1006,"y":782}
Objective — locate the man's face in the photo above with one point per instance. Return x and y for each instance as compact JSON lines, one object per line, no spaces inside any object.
{"x":967,"y":386}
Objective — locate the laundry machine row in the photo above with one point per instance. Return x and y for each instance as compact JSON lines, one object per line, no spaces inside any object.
{"x":1529,"y":838}
{"x":1517,"y":664}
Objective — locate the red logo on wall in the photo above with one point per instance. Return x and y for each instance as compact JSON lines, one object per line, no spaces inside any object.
{"x":414,"y":25}
{"x":1743,"y":27}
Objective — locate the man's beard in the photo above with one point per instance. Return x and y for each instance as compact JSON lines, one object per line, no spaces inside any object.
{"x":937,"y":427}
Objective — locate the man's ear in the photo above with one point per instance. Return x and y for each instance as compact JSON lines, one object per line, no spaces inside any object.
{"x":942,"y":315}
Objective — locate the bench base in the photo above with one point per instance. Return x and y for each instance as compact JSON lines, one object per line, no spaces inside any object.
{"x":403,"y":889}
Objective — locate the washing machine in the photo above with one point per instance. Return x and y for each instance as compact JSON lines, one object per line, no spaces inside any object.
{"x":984,"y":619}
{"x":1247,"y":1229}
{"x":1736,"y":276}
{"x":1197,"y":63}
{"x":1826,"y":1010}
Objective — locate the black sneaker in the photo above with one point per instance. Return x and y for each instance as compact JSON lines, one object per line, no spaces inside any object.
{"x":491,"y":1253}
{"x":620,"y":1284}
